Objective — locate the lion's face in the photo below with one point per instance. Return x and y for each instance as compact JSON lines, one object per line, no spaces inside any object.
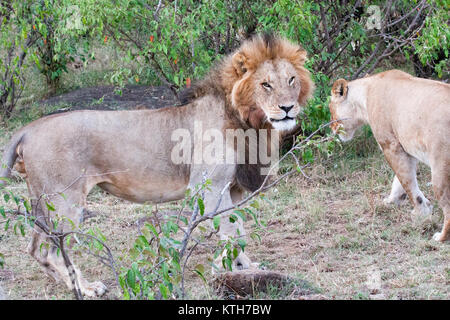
{"x":269,"y":83}
{"x":343,"y":112}
{"x":276,"y":90}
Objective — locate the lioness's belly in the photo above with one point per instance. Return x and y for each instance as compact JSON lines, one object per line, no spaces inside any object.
{"x":416,"y":149}
{"x":420,"y":155}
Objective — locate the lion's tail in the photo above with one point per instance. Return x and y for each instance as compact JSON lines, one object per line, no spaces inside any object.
{"x":10,"y":156}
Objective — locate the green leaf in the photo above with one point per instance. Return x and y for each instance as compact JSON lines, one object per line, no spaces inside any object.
{"x":240,"y":213}
{"x":27,"y":205}
{"x":255,"y":204}
{"x":184,"y":220}
{"x":22,"y":230}
{"x":216,"y":222}
{"x":201,"y":206}
{"x":227,"y":263}
{"x":164,"y":291}
{"x":122,"y":283}
{"x":7,"y":224}
{"x":131,"y":278}
{"x":152,"y":229}
{"x":242,"y":243}
{"x":50,"y":206}
{"x":200,"y":268}
{"x":141,"y":242}
{"x":68,"y":239}
{"x":255,"y":236}
{"x":235,"y":253}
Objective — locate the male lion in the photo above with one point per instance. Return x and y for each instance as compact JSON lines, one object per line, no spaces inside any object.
{"x":262,"y":85}
{"x":410,"y":119}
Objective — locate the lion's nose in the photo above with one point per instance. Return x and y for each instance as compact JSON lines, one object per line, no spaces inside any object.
{"x":286,"y":108}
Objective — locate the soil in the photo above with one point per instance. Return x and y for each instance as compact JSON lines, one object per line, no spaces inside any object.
{"x":105,"y":98}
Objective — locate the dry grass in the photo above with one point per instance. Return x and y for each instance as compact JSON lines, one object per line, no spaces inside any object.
{"x":332,"y":231}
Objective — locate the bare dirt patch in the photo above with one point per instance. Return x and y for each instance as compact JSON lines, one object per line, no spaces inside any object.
{"x":107,"y":98}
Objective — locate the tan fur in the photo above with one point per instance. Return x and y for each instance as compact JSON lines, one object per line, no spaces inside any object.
{"x":128,"y":153}
{"x":410,"y":119}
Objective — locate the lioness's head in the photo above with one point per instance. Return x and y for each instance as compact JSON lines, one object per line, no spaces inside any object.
{"x":343,"y":111}
{"x":270,"y":83}
{"x":264,"y":80}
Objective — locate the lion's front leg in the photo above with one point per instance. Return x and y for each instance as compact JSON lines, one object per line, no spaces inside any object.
{"x":233,"y":230}
{"x":220,"y":197}
{"x":229,"y":229}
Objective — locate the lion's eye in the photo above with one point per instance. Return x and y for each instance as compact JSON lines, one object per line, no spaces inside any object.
{"x":291,"y":81}
{"x":266,"y":85}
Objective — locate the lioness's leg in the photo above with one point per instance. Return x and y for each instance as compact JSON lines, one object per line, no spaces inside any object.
{"x":398,"y":194}
{"x":404,"y":167}
{"x":441,"y":187}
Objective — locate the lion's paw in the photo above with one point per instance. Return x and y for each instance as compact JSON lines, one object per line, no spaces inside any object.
{"x":437,"y":236}
{"x":241,"y":262}
{"x":254,"y":266}
{"x":94,"y":289}
{"x":424,"y":209}
{"x":399,"y":201}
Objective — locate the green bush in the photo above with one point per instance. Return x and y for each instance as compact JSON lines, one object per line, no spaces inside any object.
{"x":174,"y":42}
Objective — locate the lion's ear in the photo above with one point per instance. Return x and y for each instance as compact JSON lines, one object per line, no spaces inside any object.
{"x":239,"y":61}
{"x":340,"y":88}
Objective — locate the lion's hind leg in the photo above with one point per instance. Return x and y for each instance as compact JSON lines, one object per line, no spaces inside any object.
{"x":68,"y":211}
{"x":53,"y":264}
{"x":39,"y":249}
{"x":46,"y":252}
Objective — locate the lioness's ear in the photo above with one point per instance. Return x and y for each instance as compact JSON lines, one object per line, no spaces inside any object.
{"x":301,"y":56}
{"x":340,"y":88}
{"x":238,"y":60}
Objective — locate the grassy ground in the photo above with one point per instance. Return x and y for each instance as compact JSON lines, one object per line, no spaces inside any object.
{"x":331,"y":234}
{"x":332,"y":231}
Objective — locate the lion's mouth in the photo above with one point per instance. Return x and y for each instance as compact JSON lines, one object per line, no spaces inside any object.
{"x":284,"y":119}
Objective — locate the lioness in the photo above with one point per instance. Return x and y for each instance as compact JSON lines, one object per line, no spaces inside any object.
{"x":262,"y":85}
{"x":410,"y":119}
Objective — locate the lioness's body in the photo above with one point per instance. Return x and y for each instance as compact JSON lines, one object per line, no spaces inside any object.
{"x":410,"y":119}
{"x":261,"y":86}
